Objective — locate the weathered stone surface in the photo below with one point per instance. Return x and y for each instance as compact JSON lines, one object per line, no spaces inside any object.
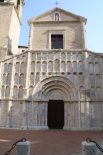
{"x":89,"y":148}
{"x":9,"y":27}
{"x":29,"y":80}
{"x":23,"y":148}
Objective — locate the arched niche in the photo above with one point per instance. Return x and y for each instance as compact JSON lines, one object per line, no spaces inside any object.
{"x":97,"y":67}
{"x":33,"y":56}
{"x":57,"y":65}
{"x":7,"y":92}
{"x":91,"y":67}
{"x":17,"y":65}
{"x":63,"y":66}
{"x":90,"y":58}
{"x":15,"y":92}
{"x":80,"y":66}
{"x":44,"y":66}
{"x":74,"y":66}
{"x":4,"y":78}
{"x":37,"y":77}
{"x":22,"y":67}
{"x":50,"y":66}
{"x":80,"y":57}
{"x":21,"y":79}
{"x":8,"y":79}
{"x":3,"y":91}
{"x":16,"y":78}
{"x":92,"y":80}
{"x":33,"y":66}
{"x":38,"y":66}
{"x":38,"y":56}
{"x":5,"y":67}
{"x":32,"y":78}
{"x":20,"y":93}
{"x":69,"y":56}
{"x":74,"y":56}
{"x":69,"y":66}
{"x":30,"y":91}
{"x":9,"y":67}
{"x":55,"y":87}
{"x":81,"y":79}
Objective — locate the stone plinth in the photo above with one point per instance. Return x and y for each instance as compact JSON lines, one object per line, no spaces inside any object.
{"x":89,"y":148}
{"x":23,"y":148}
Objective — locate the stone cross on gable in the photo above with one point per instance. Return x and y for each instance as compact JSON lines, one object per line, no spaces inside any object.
{"x":56,"y":3}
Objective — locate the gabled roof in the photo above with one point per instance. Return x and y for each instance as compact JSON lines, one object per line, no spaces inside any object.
{"x":34,"y":19}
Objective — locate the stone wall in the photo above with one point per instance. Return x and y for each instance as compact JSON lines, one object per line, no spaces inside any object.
{"x":72,"y":35}
{"x":31,"y":79}
{"x":9,"y":28}
{"x":5,"y":19}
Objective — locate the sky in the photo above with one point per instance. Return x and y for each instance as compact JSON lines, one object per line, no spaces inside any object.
{"x":90,"y":9}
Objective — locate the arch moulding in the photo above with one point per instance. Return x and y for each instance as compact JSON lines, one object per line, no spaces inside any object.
{"x":55,"y":87}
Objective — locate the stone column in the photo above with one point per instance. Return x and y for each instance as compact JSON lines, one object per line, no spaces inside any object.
{"x":89,"y":148}
{"x":23,"y":148}
{"x":45,"y":115}
{"x":35,"y":114}
{"x":24,"y":121}
{"x":28,"y":74}
{"x":65,"y":116}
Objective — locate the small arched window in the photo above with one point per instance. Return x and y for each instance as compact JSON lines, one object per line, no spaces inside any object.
{"x":57,"y":18}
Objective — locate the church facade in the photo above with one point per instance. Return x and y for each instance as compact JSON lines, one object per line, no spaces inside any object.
{"x":55,"y":83}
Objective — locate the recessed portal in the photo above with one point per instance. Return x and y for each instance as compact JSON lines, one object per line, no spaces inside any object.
{"x":55,"y":114}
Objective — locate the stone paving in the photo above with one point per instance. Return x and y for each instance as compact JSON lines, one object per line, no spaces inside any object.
{"x":48,"y":142}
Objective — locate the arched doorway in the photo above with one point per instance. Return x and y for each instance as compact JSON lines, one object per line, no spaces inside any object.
{"x":55,"y":109}
{"x":55,"y":115}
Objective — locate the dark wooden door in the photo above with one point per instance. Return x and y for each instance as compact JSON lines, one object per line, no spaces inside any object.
{"x":55,"y":114}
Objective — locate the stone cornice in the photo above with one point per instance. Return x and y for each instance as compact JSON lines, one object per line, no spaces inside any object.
{"x":54,"y":22}
{"x":54,"y":51}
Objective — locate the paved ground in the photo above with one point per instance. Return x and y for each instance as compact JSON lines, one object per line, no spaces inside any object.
{"x":48,"y":142}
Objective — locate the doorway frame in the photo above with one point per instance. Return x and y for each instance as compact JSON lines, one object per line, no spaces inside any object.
{"x":53,"y":114}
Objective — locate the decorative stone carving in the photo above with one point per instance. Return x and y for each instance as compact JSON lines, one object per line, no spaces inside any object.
{"x":56,"y":65}
{"x":8,"y":79}
{"x":22,"y":67}
{"x":91,"y":68}
{"x":16,"y":78}
{"x":30,"y":91}
{"x":22,"y":80}
{"x":15,"y":92}
{"x":50,"y":66}
{"x":57,"y":83}
{"x":17,"y":65}
{"x":53,"y":75}
{"x":3,"y":91}
{"x":4,"y":78}
{"x":38,"y":66}
{"x":5,"y":67}
{"x":63,"y":66}
{"x":33,"y":66}
{"x":20,"y":92}
{"x":7,"y":92}
{"x":32,"y":78}
{"x":44,"y":66}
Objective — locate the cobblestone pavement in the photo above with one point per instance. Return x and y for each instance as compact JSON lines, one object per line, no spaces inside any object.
{"x":48,"y":142}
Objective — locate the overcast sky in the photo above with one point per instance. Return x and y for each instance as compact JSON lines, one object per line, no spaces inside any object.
{"x":90,"y":9}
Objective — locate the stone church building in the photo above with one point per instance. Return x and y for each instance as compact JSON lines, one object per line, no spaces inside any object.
{"x":55,"y":82}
